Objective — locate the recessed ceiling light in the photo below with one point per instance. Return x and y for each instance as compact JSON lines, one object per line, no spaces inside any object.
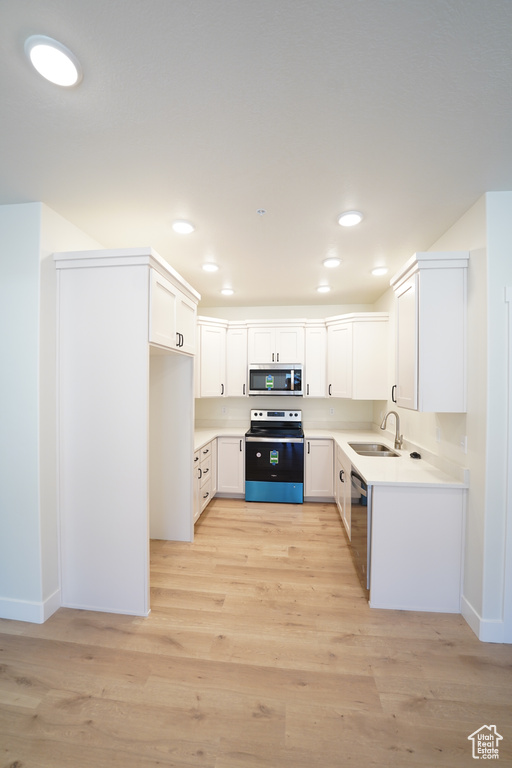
{"x":323,"y":289}
{"x":350,"y":218}
{"x":332,"y":261}
{"x":183,"y":227}
{"x":378,"y":271}
{"x":227,"y":291}
{"x":53,"y":60}
{"x":210,"y":267}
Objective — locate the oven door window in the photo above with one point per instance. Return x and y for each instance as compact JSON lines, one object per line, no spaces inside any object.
{"x":274,"y":461}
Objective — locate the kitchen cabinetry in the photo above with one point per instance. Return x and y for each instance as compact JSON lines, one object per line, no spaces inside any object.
{"x":236,"y":360}
{"x":205,"y":471}
{"x":342,"y":480}
{"x":125,"y":428}
{"x":172,"y":318}
{"x":212,"y":368}
{"x":315,"y":365}
{"x":431,"y":301}
{"x":416,"y":548}
{"x":231,"y":466}
{"x":271,"y":343}
{"x":318,"y":474}
{"x":357,"y":356}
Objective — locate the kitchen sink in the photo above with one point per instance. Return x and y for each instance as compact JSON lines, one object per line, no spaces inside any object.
{"x":372,"y":449}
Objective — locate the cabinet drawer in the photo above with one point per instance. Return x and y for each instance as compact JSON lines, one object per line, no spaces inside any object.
{"x":205,"y":494}
{"x":206,"y":470}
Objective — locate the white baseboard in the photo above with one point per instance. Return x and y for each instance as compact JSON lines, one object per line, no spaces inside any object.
{"x":27,"y":610}
{"x":487,"y":630}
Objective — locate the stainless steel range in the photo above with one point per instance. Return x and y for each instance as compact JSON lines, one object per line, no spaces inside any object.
{"x":274,"y":457}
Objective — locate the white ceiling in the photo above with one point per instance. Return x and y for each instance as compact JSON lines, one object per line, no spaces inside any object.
{"x":209,"y":110}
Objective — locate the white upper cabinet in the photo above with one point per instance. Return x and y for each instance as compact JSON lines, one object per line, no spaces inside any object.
{"x":269,"y":342}
{"x":431,"y":298}
{"x":212,"y":370}
{"x":236,"y":360}
{"x":315,"y":366}
{"x":357,"y":356}
{"x":172,"y":314}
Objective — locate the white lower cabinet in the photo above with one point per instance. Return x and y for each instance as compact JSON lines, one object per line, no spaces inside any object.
{"x":342,"y":481}
{"x":416,"y":548}
{"x":231,"y":466}
{"x":318,"y":466}
{"x":205,"y":482}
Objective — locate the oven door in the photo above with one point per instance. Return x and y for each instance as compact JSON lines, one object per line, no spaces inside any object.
{"x":274,"y":469}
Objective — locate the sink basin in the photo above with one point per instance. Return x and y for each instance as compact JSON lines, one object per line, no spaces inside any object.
{"x":372,"y":449}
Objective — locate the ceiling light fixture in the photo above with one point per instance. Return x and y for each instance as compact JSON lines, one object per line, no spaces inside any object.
{"x":53,"y":60}
{"x":227,"y":291}
{"x":350,"y":218}
{"x":210,"y":267}
{"x":323,"y":289}
{"x":378,"y":271}
{"x":331,"y":262}
{"x":183,"y":227}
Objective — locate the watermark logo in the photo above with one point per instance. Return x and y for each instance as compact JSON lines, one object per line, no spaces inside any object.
{"x":486,"y":743}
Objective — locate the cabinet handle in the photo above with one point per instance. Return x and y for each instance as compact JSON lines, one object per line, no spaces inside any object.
{"x":278,"y":357}
{"x":206,"y":471}
{"x":307,"y":389}
{"x":206,"y":495}
{"x":240,"y":445}
{"x":393,"y":391}
{"x":272,"y":357}
{"x":200,"y":473}
{"x":243,"y":390}
{"x":206,"y":450}
{"x":309,"y":447}
{"x":196,"y":458}
{"x":341,"y":475}
{"x":222,"y":389}
{"x":330,"y":387}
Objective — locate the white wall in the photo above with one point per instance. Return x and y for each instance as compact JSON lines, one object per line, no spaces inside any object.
{"x":29,"y":234}
{"x":20,"y":556}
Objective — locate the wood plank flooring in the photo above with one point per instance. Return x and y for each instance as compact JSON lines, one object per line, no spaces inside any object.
{"x":260,"y":652}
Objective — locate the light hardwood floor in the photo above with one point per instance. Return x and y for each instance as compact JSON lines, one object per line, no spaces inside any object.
{"x":260,"y":652}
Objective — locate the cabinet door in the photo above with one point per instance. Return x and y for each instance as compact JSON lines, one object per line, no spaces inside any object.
{"x":162,"y":311}
{"x":343,"y":490}
{"x":370,"y":360}
{"x":289,"y":345}
{"x":407,"y":344}
{"x":339,"y":360}
{"x":186,"y":324}
{"x":230,"y":465}
{"x":236,"y":362}
{"x":261,"y":345}
{"x":319,"y":468}
{"x":213,"y":361}
{"x":316,"y":362}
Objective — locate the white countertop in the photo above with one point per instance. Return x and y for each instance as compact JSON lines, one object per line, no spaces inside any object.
{"x":401,"y":470}
{"x":375,"y":470}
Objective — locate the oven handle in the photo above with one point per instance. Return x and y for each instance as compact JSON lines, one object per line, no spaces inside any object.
{"x":274,"y":439}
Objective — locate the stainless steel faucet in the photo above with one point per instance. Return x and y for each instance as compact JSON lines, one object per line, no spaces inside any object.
{"x":398,"y":437}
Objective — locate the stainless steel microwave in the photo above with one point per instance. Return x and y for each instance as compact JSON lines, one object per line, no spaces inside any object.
{"x":275,"y":379}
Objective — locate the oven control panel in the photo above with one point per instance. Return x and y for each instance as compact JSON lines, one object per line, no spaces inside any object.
{"x":264,"y":415}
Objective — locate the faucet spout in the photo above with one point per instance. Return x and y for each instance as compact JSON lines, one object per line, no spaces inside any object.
{"x":398,"y":437}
